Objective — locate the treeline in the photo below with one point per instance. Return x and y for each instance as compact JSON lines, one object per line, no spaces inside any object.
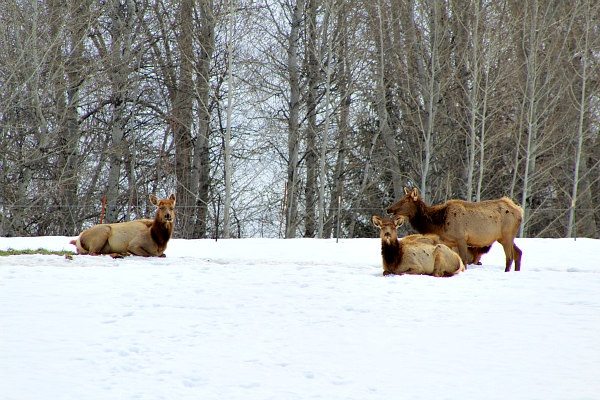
{"x":289,"y":118}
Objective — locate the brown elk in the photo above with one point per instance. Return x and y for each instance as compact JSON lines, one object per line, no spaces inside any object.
{"x":415,"y":254}
{"x":462,"y":224}
{"x":473,"y":253}
{"x":142,"y":237}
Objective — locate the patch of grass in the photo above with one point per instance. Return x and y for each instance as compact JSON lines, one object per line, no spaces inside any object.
{"x":13,"y":252}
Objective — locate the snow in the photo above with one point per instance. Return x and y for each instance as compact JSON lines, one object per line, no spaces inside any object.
{"x":297,"y":319}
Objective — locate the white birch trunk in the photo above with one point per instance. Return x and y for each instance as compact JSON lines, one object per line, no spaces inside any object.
{"x":431,"y":100}
{"x":473,"y":103}
{"x":386,"y":131}
{"x":530,"y":153}
{"x":291,"y":200}
{"x":580,"y":131}
{"x":322,"y":175}
{"x":227,"y":144}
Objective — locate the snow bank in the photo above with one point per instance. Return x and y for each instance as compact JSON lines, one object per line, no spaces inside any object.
{"x":297,"y":319}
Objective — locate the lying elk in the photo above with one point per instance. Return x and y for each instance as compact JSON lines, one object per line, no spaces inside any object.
{"x":142,"y":237}
{"x":415,"y":254}
{"x":462,"y":224}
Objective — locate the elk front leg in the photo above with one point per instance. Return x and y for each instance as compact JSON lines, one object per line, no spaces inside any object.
{"x":463,"y":251}
{"x":139,"y":250}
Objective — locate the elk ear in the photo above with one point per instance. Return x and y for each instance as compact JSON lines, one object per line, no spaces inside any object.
{"x":154,"y":200}
{"x":172,"y":197}
{"x":414,"y":194}
{"x":399,"y":220}
{"x":376,"y":221}
{"x":406,"y":190}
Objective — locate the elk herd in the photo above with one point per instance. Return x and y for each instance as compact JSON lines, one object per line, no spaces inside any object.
{"x":450,"y":235}
{"x":466,"y":229}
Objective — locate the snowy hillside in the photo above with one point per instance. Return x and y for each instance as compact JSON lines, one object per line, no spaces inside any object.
{"x":297,"y":319}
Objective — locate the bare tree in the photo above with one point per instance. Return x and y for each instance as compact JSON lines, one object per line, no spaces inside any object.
{"x":312,"y":68}
{"x":291,"y":202}
{"x":342,"y":54}
{"x":200,"y":181}
{"x":582,"y":101}
{"x":119,"y":58}
{"x":380,"y":26}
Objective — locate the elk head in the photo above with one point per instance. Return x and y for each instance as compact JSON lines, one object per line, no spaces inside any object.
{"x":388,"y":228}
{"x":406,"y":205}
{"x":165,"y":209}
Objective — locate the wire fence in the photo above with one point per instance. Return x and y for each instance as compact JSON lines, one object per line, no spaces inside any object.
{"x":36,"y":219}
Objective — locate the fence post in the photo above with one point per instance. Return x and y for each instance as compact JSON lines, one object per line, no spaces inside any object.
{"x":337,"y":228}
{"x":103,"y":211}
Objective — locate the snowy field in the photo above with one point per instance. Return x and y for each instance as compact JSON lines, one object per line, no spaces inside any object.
{"x":257,"y":319}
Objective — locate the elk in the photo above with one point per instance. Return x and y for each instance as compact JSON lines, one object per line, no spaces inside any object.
{"x":462,"y":223}
{"x":414,"y":254}
{"x":141,"y":237}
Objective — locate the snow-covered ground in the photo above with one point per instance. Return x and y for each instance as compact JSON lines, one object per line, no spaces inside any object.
{"x":297,"y":319}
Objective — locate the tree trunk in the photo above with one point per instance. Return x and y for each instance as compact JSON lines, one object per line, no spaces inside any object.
{"x":291,"y":200}
{"x":67,"y":92}
{"x":312,"y":68}
{"x":387,"y":133}
{"x":531,"y":65}
{"x":227,"y":144}
{"x":182,"y":119}
{"x":473,"y":96}
{"x":118,"y":59}
{"x":344,"y":85}
{"x":201,"y":162}
{"x":581,"y":126}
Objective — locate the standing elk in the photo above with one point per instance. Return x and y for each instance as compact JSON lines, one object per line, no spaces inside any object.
{"x":141,"y":237}
{"x":415,"y":254}
{"x":462,"y":224}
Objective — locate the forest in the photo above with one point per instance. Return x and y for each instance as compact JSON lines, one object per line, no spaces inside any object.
{"x":296,"y":118}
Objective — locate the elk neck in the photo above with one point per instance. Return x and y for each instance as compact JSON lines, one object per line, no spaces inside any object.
{"x":161,"y":231}
{"x":427,"y":219}
{"x":391,"y":253}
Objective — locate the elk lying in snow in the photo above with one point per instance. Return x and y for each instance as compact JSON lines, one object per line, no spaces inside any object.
{"x":473,"y":253}
{"x":462,"y":224}
{"x":415,"y":254}
{"x":142,"y":237}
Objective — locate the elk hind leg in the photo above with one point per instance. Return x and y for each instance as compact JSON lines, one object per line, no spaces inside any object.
{"x":517,"y":255}
{"x":446,"y":263}
{"x":508,"y":252}
{"x":95,"y":239}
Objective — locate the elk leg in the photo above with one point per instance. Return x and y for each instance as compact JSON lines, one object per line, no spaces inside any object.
{"x":95,"y":239}
{"x":117,"y":255}
{"x":463,"y":251}
{"x":517,"y":255}
{"x":439,"y":264}
{"x":138,"y":251}
{"x":508,"y":252}
{"x":137,"y":247}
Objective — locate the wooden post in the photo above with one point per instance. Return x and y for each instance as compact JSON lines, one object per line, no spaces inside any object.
{"x":103,"y":211}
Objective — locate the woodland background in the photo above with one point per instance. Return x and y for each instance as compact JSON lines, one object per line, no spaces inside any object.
{"x":289,"y":118}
